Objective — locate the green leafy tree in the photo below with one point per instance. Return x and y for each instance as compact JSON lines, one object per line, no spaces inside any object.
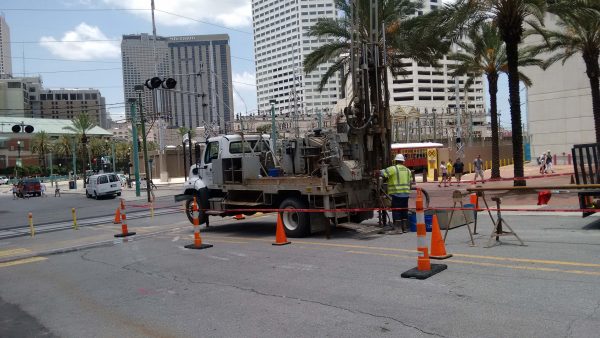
{"x":510,"y":16}
{"x":82,"y":124}
{"x":41,"y":145}
{"x":484,"y":53}
{"x":399,"y":32}
{"x":578,"y":33}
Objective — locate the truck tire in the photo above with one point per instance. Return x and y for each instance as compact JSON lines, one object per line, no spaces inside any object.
{"x":202,"y":199}
{"x":296,"y":224}
{"x":361,"y":216}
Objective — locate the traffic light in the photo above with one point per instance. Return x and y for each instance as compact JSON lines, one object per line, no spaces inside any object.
{"x":22,"y":128}
{"x":155,"y":82}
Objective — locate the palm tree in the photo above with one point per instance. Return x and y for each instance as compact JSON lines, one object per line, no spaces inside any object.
{"x":578,"y":33}
{"x":41,"y":145}
{"x":81,"y":125}
{"x":399,"y":37}
{"x":510,"y":16}
{"x":485,"y":54}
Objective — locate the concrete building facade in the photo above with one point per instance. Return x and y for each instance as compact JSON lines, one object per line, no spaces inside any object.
{"x":559,"y":105}
{"x":5,"y":54}
{"x":68,"y":103}
{"x":201,"y":65}
{"x":281,"y":42}
{"x":19,"y":96}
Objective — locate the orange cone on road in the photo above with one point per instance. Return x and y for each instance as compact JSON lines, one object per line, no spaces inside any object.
{"x":280,"y":237}
{"x":438,"y":248}
{"x":124,"y":231}
{"x":117,"y":216}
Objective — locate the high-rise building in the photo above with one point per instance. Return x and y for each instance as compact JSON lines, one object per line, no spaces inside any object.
{"x":281,"y":42}
{"x":201,"y":65}
{"x":5,"y":55}
{"x":68,"y":103}
{"x":18,"y":96}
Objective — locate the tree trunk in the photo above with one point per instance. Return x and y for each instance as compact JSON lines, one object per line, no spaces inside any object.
{"x":512,"y":57}
{"x":593,"y":73}
{"x":493,"y":91}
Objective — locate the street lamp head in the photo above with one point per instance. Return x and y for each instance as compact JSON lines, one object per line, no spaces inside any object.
{"x":273,"y":101}
{"x":138,"y":88}
{"x":19,"y":142}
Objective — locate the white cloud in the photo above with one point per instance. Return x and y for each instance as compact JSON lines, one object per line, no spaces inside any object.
{"x":89,"y":50}
{"x":230,"y":13}
{"x":245,"y":86}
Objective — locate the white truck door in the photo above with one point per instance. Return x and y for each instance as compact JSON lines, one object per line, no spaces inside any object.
{"x":211,"y":153}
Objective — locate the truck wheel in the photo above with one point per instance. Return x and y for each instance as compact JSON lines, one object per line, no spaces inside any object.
{"x":361,"y":216}
{"x":202,"y":199}
{"x":296,"y":224}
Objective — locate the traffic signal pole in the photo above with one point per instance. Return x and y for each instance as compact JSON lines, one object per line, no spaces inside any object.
{"x":136,"y":164}
{"x":146,"y":167}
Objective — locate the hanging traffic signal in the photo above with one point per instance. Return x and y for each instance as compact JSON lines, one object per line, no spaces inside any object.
{"x":22,"y":128}
{"x":169,"y":83}
{"x":155,"y":82}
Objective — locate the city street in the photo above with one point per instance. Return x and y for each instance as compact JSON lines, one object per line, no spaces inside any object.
{"x":86,"y":283}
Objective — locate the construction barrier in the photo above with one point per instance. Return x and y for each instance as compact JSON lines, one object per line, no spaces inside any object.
{"x":198,"y":245}
{"x":124,"y":231}
{"x":117,"y":216}
{"x":424,"y":267}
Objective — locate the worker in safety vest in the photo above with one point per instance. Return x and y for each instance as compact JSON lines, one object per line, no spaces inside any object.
{"x":399,"y":179}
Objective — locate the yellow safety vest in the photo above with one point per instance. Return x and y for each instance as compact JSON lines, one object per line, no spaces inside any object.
{"x":398,"y":179}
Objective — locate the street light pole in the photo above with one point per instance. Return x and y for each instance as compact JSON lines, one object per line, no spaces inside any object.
{"x":74,"y":153}
{"x":273,"y":127}
{"x":18,"y":164}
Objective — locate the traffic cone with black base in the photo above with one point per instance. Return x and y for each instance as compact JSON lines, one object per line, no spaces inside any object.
{"x":424,"y":267}
{"x":280,"y":237}
{"x":124,"y":231}
{"x":198,"y":245}
{"x":438,"y":247}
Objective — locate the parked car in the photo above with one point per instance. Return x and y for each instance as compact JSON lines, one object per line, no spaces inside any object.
{"x":30,"y":187}
{"x":103,"y":185}
{"x":4,"y":180}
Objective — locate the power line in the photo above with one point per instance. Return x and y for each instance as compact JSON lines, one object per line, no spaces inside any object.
{"x":67,"y":41}
{"x":70,"y":71}
{"x":64,"y":60}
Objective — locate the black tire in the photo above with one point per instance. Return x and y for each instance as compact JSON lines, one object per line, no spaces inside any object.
{"x":96,"y":195}
{"x":296,"y":224}
{"x":202,"y":198}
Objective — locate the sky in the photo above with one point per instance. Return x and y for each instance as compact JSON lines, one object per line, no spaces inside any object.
{"x":39,"y":28}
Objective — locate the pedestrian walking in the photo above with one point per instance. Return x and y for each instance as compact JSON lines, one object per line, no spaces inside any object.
{"x":399,"y":179}
{"x":450,"y":169}
{"x":549,"y":163}
{"x":444,"y":171}
{"x":56,"y":190}
{"x":478,"y":167}
{"x":43,"y":188}
{"x":459,"y":168}
{"x":15,"y":192}
{"x":542,"y":163}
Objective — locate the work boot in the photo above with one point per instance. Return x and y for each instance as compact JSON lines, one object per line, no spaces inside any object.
{"x":397,"y":228}
{"x":404,"y":226}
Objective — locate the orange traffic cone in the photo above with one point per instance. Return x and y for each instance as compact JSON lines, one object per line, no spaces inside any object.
{"x":438,"y":248}
{"x":280,"y":237}
{"x":198,"y":245}
{"x":239,"y":217}
{"x":117,"y":216}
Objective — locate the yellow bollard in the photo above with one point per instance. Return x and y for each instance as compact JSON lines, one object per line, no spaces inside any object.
{"x":74,"y":219}
{"x":31,"y":229}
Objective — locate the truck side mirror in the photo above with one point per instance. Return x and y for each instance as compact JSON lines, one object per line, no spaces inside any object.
{"x":195,"y":171}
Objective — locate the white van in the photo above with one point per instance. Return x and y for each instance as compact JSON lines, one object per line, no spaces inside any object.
{"x":103,"y":185}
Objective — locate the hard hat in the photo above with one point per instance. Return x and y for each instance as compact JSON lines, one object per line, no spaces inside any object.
{"x":399,"y":157}
{"x":548,"y":150}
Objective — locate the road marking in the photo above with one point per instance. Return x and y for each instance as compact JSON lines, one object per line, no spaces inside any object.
{"x":356,"y":246}
{"x":218,"y":258}
{"x":23,"y":261}
{"x":14,"y":252}
{"x":226,"y":241}
{"x":175,"y":239}
{"x":517,"y":267}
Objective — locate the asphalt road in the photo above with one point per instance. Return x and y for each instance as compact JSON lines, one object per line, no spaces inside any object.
{"x":343,"y":287}
{"x":13,"y":213}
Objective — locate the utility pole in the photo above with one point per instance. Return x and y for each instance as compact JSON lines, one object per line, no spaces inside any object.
{"x":114,"y":160}
{"x":74,"y":152}
{"x":144,"y":147}
{"x":273,"y":127}
{"x":136,"y":164}
{"x":459,"y":145}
